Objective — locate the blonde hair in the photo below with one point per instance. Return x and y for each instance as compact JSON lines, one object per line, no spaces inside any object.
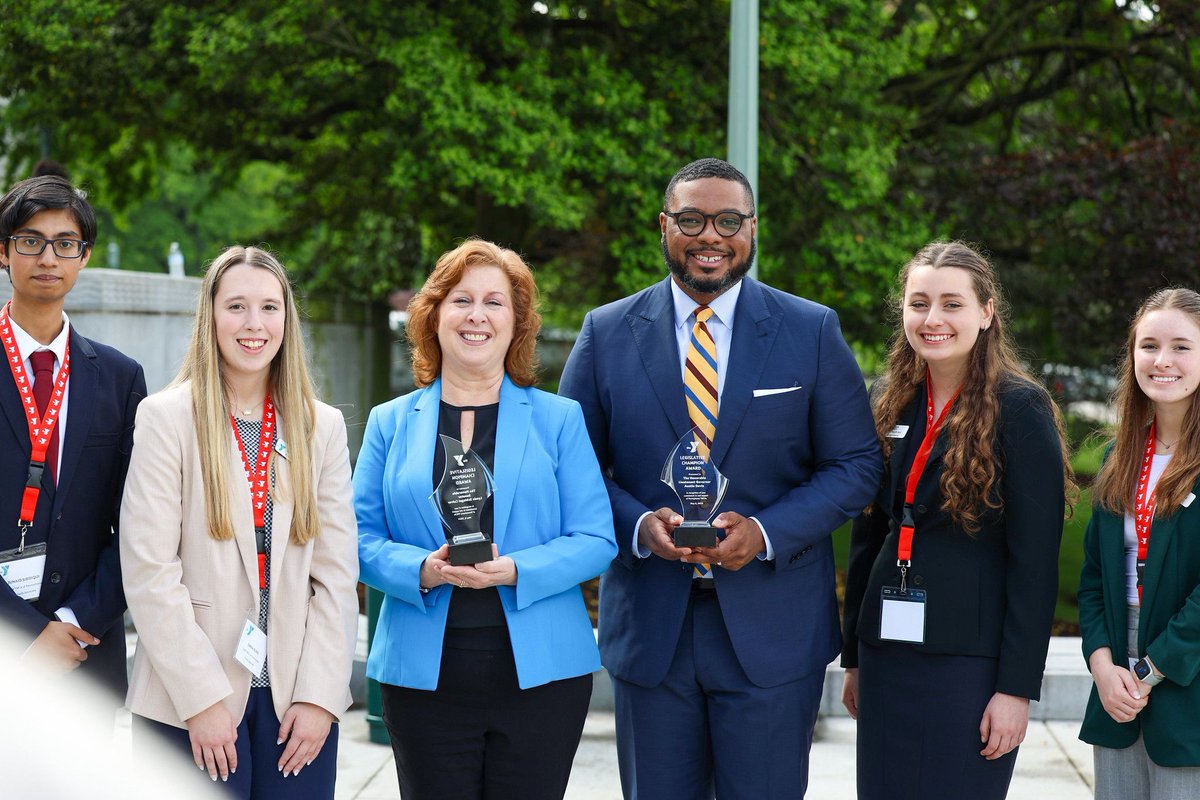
{"x":1115,"y":485}
{"x":291,"y":392}
{"x":520,"y":363}
{"x":972,"y":466}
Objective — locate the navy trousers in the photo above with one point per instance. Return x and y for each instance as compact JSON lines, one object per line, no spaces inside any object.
{"x":257,"y":776}
{"x":707,"y":728}
{"x":918,"y":726}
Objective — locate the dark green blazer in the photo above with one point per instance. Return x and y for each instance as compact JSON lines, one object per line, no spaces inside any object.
{"x":1169,"y":631}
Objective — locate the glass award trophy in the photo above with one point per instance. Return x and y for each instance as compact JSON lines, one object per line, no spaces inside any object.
{"x":699,"y":486}
{"x":459,"y":499}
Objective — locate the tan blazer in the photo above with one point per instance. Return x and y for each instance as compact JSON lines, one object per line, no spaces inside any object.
{"x":191,"y":595}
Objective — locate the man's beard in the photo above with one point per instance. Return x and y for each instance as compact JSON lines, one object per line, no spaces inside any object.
{"x":703,"y":285}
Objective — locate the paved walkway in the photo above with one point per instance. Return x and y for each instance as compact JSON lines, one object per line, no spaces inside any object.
{"x":1052,"y":763}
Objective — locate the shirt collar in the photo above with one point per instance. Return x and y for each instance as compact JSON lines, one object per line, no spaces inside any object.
{"x":27,"y":345}
{"x":723,"y":306}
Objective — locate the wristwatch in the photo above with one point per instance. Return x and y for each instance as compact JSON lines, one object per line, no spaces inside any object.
{"x":1145,"y":673}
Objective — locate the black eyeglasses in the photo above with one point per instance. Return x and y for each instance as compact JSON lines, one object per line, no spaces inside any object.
{"x":63,"y":248}
{"x":691,"y":223}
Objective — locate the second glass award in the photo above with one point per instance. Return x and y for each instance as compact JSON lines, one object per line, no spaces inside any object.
{"x":459,"y":499}
{"x":700,"y":486}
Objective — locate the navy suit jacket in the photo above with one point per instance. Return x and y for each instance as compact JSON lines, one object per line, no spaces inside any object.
{"x":802,"y":461}
{"x":78,"y":518}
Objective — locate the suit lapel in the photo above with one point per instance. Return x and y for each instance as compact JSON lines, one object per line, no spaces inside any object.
{"x":897,"y":474}
{"x":1162,"y":529}
{"x":754,"y":331}
{"x":652,"y":325}
{"x":241,"y":509}
{"x":10,"y":402}
{"x":282,"y":513}
{"x":512,"y":433}
{"x":420,"y":439}
{"x":82,"y":396}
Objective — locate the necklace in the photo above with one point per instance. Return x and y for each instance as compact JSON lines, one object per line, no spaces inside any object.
{"x":245,"y":412}
{"x":1168,"y":446}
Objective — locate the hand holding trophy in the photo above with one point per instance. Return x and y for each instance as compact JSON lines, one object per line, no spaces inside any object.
{"x":459,"y":499}
{"x":699,"y":485}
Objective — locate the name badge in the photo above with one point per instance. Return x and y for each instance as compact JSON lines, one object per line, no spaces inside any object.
{"x":251,"y":650}
{"x":281,"y":448}
{"x":903,"y":617}
{"x":23,"y":571}
{"x":1187,"y":501}
{"x":898,"y":432}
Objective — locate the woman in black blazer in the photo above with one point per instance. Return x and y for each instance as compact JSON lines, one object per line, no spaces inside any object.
{"x":954,"y":568}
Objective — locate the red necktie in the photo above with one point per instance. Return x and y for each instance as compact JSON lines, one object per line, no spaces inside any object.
{"x":43,"y":385}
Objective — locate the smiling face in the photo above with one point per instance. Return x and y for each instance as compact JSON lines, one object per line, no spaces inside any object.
{"x":249,"y":316}
{"x":1166,"y":357}
{"x":475,"y":323}
{"x":44,"y":278}
{"x":707,"y":264}
{"x":943,"y":316}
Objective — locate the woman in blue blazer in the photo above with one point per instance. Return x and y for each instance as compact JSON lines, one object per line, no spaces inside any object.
{"x":1139,"y":593}
{"x":485,"y":667}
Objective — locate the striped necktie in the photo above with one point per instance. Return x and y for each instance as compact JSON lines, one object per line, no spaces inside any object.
{"x":700,"y":389}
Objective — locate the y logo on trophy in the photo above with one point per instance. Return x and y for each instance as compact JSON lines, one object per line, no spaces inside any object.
{"x":699,"y":485}
{"x":459,"y":499}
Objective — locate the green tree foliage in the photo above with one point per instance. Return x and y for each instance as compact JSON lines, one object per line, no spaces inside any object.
{"x":392,"y":130}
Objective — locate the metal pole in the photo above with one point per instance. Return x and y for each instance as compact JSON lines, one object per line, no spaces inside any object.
{"x":743,"y":93}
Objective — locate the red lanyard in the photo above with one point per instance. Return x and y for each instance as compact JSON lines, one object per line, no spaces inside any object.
{"x":907,"y":526}
{"x":40,"y":430}
{"x":257,"y":476}
{"x":1143,"y":511}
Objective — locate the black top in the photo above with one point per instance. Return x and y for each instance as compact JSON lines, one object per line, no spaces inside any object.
{"x":990,"y":593}
{"x":472,"y":608}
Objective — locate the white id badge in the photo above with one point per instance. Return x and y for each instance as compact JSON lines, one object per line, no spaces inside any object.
{"x":23,"y":571}
{"x":903,"y":617}
{"x":251,"y":651}
{"x":898,"y":432}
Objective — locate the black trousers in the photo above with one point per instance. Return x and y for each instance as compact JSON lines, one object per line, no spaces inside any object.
{"x":479,"y":735}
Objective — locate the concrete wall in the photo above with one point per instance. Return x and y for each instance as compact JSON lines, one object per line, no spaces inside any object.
{"x":149,"y":318}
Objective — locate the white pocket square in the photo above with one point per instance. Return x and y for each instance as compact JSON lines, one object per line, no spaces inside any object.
{"x":766,"y":392}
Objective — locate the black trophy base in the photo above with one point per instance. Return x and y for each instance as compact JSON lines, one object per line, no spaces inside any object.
{"x":464,"y":555}
{"x":696,"y":536}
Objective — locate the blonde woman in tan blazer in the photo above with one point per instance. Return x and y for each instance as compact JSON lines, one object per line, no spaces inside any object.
{"x":246,"y":610}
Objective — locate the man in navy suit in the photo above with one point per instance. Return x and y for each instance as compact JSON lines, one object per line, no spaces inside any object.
{"x":64,"y":445}
{"x":718,"y":670}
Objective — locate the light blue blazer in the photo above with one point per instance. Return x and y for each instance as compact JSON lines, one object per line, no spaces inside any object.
{"x":552,"y":517}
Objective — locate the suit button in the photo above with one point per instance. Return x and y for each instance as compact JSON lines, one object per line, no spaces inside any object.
{"x":55,"y":577}
{"x":919,"y":581}
{"x":921,"y":509}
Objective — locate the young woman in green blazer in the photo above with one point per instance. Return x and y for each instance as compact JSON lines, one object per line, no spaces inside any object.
{"x":1139,"y":594}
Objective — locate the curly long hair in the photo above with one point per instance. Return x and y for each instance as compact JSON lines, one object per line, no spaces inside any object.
{"x":521,"y":361}
{"x":971,"y":472}
{"x":1114,"y":488}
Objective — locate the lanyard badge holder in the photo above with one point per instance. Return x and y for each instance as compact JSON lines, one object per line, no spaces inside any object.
{"x":902,"y":610}
{"x":23,"y":567}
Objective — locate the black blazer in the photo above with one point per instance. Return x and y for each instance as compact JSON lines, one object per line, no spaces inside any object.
{"x":78,"y":518}
{"x":991,"y":593}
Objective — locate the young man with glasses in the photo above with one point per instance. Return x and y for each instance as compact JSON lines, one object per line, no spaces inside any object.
{"x":69,"y":406}
{"x":718,"y":652}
